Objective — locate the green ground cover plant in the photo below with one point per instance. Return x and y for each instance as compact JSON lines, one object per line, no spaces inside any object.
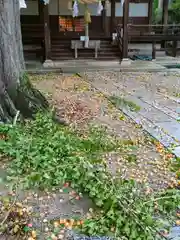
{"x":44,"y":155}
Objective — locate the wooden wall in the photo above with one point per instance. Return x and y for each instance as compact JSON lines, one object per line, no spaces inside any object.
{"x":95,"y":27}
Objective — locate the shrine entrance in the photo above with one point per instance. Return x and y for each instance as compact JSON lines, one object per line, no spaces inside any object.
{"x":74,"y":27}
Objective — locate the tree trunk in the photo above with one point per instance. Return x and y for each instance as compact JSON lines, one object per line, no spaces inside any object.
{"x":16,"y":92}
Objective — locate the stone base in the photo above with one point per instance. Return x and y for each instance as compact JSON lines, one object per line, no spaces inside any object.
{"x":48,"y":64}
{"x":126,"y":62}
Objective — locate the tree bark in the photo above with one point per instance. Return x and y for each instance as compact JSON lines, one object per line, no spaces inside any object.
{"x":16,"y":92}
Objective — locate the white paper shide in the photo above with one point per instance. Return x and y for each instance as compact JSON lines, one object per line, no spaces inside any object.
{"x":22,"y":4}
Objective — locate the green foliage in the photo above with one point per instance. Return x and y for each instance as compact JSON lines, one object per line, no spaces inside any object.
{"x":157,"y":16}
{"x":177,"y":95}
{"x":174,"y":11}
{"x":156,"y":13}
{"x":42,"y":150}
{"x":121,"y":102}
{"x":45,"y":154}
{"x":155,"y":4}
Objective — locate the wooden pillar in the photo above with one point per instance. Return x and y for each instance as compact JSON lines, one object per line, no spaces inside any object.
{"x":104,"y":19}
{"x":40,"y":8}
{"x":153,"y":50}
{"x":150,"y":11}
{"x":47,"y":35}
{"x":164,"y":19}
{"x":113,"y":7}
{"x":125,"y":28}
{"x":160,"y":4}
{"x":174,"y":49}
{"x":165,"y":12}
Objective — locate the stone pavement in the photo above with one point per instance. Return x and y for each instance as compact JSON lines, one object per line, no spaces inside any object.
{"x":158,"y":97}
{"x":74,"y":66}
{"x":155,"y":94}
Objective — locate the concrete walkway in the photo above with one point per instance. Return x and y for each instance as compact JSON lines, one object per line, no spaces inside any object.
{"x":74,"y":66}
{"x":158,"y":97}
{"x":155,"y":94}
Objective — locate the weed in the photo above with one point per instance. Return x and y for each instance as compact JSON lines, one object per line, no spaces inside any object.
{"x":177,"y":95}
{"x":121,"y":102}
{"x":45,"y":155}
{"x":132,"y":158}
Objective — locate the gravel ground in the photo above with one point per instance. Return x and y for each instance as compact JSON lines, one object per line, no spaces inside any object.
{"x":151,"y":164}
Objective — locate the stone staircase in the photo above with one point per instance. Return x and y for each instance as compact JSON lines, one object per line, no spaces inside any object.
{"x":61,"y":50}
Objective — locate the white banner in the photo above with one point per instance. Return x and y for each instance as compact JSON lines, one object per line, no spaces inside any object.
{"x":100,"y":8}
{"x":22,"y":4}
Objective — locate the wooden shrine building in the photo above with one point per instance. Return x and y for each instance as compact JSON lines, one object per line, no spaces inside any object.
{"x":48,"y":31}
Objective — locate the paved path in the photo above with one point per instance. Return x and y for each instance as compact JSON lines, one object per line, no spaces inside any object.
{"x":157,"y":96}
{"x":76,"y":65}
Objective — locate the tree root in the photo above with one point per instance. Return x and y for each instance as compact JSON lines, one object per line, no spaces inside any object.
{"x":26,"y":99}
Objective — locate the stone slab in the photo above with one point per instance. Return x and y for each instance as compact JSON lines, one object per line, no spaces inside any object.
{"x":177,"y":151}
{"x":155,"y":131}
{"x":151,"y":112}
{"x":151,"y":128}
{"x":163,"y":121}
{"x":164,"y":106}
{"x":153,"y":121}
{"x":174,"y":233}
{"x":172,"y":128}
{"x":70,"y":66}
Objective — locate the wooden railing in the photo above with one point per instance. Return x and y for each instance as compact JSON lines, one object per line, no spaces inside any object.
{"x":170,"y":30}
{"x":167,"y":35}
{"x":153,"y":30}
{"x":119,"y":40}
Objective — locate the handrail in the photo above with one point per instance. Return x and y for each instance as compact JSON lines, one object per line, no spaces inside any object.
{"x":152,"y":26}
{"x":155,"y":25}
{"x":158,"y":29}
{"x":119,"y":40}
{"x":153,"y":33}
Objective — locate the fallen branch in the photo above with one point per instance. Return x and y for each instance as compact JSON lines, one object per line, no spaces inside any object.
{"x":9,"y":211}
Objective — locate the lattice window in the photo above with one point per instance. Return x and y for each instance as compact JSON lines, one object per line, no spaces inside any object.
{"x":71,"y":24}
{"x":65,"y":24}
{"x":79,"y":24}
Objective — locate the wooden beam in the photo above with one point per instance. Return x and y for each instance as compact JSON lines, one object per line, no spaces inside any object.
{"x":113,"y":7}
{"x":125,"y":28}
{"x":47,"y":35}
